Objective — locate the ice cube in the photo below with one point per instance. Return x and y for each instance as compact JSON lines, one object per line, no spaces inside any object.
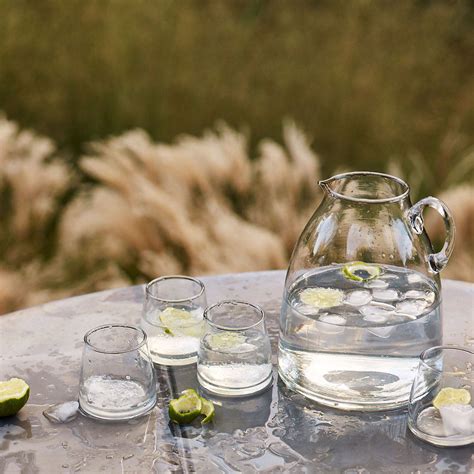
{"x":375,"y":308}
{"x":382,"y":332}
{"x":377,"y":284}
{"x":411,"y":308}
{"x":457,"y":419}
{"x":334,"y":323}
{"x":429,"y":422}
{"x":385,"y":295}
{"x":62,"y":412}
{"x":358,"y":297}
{"x":332,"y":319}
{"x":415,"y":294}
{"x":414,"y":278}
{"x":307,"y":310}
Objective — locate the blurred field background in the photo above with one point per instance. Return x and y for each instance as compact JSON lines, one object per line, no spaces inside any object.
{"x":142,"y":138}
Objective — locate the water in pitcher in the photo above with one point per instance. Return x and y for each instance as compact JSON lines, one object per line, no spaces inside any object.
{"x":355,"y":344}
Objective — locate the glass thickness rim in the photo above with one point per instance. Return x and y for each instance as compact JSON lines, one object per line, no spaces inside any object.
{"x":174,"y":277}
{"x":403,"y":195}
{"x":233,"y":302}
{"x":110,"y":326}
{"x":426,"y":353}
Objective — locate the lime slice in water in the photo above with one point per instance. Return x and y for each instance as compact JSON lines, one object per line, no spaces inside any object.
{"x":207,"y":409}
{"x":225,"y":340}
{"x":180,"y":322}
{"x":321,"y":297}
{"x":360,"y":271}
{"x":14,"y":394}
{"x":185,"y":408}
{"x":451,"y":396}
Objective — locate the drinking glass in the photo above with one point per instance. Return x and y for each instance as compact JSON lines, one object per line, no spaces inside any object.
{"x":441,"y":410}
{"x":234,"y":356}
{"x":117,"y":376}
{"x":173,"y":318}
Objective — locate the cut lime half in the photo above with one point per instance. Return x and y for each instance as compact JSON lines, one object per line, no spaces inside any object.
{"x":207,"y":409}
{"x":451,"y":396}
{"x":178,"y":322}
{"x":321,"y":297}
{"x":14,"y":394}
{"x":185,"y":408}
{"x":360,"y":271}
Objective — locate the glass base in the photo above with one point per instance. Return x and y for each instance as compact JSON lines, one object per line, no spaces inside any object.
{"x":115,"y":415}
{"x":443,"y":441}
{"x":369,"y":406}
{"x":185,"y":359}
{"x":236,"y":392}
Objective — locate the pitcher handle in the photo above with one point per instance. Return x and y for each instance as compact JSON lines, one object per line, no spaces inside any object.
{"x":438,"y":260}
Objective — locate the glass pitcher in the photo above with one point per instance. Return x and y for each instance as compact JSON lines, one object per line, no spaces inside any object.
{"x":362,"y":294}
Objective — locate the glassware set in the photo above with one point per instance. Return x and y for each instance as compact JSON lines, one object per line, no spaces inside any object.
{"x":361,"y":302}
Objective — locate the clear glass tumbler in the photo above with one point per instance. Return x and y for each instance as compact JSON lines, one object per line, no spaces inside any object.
{"x":441,"y":410}
{"x":234,"y":356}
{"x":117,"y":376}
{"x":173,"y":318}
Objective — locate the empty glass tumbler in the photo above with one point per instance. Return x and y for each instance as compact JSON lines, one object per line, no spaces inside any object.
{"x":441,"y":409}
{"x":117,"y":377}
{"x":234,"y":356}
{"x":173,"y":318}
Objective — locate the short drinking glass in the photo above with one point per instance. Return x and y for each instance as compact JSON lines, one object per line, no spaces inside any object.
{"x":234,"y":355}
{"x":173,"y":319}
{"x":117,"y":376}
{"x":441,"y":410}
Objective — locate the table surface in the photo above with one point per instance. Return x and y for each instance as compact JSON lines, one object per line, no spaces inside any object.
{"x":276,"y":431}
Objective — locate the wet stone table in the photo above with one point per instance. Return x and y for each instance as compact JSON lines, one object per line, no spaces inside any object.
{"x":276,"y":431}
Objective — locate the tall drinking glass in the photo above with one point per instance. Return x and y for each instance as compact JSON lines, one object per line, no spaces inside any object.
{"x":234,"y":356}
{"x":117,"y":376}
{"x":173,"y":318}
{"x":441,"y":410}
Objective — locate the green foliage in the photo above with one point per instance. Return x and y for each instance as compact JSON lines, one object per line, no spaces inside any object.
{"x":369,"y":80}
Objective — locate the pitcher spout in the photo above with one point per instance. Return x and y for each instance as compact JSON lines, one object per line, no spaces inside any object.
{"x":324,"y":184}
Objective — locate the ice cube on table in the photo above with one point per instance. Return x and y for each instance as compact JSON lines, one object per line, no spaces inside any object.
{"x":358,"y":297}
{"x":457,"y":419}
{"x":62,"y":412}
{"x":411,"y":308}
{"x":385,"y":295}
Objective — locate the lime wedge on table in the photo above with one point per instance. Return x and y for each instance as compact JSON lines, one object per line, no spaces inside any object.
{"x":185,"y":408}
{"x":14,"y":394}
{"x":225,"y":340}
{"x":321,"y":297}
{"x":451,"y":396}
{"x":360,"y":271}
{"x":207,"y":409}
{"x":180,"y":322}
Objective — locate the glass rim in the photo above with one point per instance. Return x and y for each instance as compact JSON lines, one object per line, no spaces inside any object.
{"x":426,"y":352}
{"x":406,"y":189}
{"x":110,"y":326}
{"x":257,"y":308}
{"x":174,"y":277}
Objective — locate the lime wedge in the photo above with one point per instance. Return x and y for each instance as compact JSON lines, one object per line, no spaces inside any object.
{"x":180,"y":322}
{"x":14,"y":394}
{"x":207,"y":409}
{"x":451,"y":396}
{"x":322,"y":297}
{"x":225,"y":341}
{"x":185,"y":408}
{"x":360,"y":271}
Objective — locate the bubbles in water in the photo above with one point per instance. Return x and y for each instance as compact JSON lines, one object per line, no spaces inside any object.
{"x":62,"y":412}
{"x":358,"y":297}
{"x":385,"y":295}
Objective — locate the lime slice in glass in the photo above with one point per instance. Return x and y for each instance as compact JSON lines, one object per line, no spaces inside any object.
{"x":225,"y":341}
{"x":180,"y":322}
{"x":451,"y":396}
{"x":14,"y":394}
{"x":322,"y":297}
{"x":185,"y":408}
{"x":207,"y":409}
{"x":360,"y":271}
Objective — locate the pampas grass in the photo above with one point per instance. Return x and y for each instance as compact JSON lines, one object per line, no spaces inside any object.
{"x":201,"y":205}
